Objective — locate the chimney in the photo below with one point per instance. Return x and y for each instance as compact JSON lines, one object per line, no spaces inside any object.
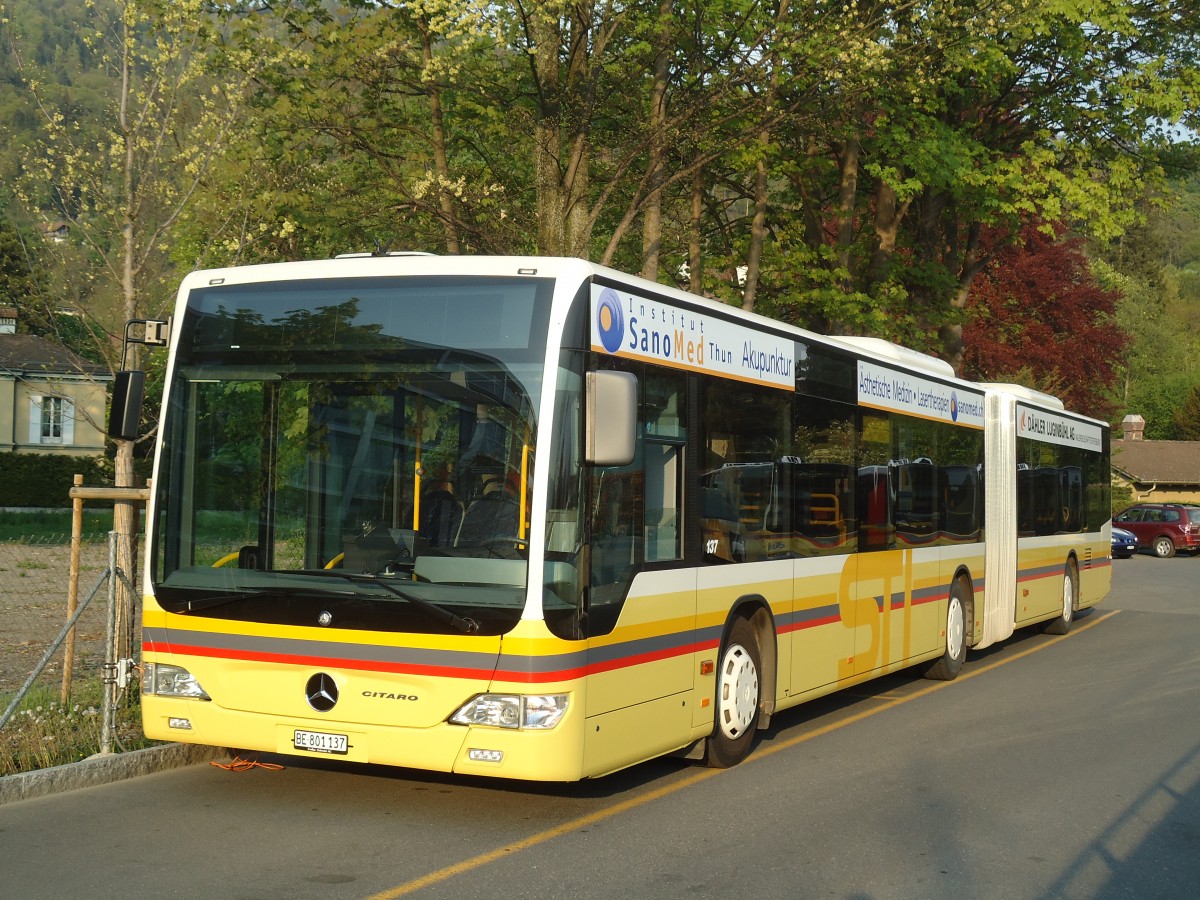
{"x":1133,"y":428}
{"x":8,"y":320}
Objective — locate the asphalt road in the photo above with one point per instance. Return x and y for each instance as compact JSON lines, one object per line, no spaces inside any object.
{"x":1053,"y":767}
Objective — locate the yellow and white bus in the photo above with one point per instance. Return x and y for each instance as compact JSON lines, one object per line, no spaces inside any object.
{"x":532,"y":518}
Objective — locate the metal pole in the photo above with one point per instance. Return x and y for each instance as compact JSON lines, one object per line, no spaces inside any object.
{"x":109,"y":680}
{"x":72,"y":592}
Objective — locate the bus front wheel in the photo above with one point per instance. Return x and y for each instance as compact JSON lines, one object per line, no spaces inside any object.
{"x":739,"y":697}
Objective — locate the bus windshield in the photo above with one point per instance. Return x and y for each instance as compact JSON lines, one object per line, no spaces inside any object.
{"x":352,"y":453}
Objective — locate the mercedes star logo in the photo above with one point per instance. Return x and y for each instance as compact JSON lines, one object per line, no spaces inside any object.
{"x":322,"y":692}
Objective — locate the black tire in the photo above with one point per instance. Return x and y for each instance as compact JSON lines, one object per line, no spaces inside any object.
{"x":1070,"y":596}
{"x":947,"y":667}
{"x":1164,"y":547}
{"x":738,"y":697}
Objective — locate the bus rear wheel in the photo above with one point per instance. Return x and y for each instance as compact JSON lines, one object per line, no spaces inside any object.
{"x":1070,"y":589}
{"x":951,"y":662}
{"x":739,"y":697}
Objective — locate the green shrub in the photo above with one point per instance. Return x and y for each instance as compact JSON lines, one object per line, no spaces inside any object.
{"x":44,"y":733}
{"x":44,"y":481}
{"x":53,"y":526}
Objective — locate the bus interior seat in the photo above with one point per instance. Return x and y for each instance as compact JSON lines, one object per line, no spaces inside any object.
{"x":492,"y":517}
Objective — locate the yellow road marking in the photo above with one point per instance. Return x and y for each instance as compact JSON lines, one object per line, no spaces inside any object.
{"x":761,"y":752}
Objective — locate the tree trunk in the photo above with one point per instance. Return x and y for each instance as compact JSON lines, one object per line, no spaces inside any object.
{"x":889,"y":213}
{"x":125,"y":516}
{"x":758,"y":231}
{"x":440,"y":162}
{"x":562,"y":133}
{"x":951,"y":334}
{"x":652,"y":218}
{"x":547,"y":172}
{"x":758,"y":225}
{"x":695,"y":280}
{"x":847,"y":196}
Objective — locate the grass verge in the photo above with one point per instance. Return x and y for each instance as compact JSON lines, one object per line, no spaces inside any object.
{"x":51,"y":525}
{"x":44,"y":732}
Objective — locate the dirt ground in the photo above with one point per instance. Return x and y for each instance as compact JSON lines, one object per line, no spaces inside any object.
{"x":33,"y":610}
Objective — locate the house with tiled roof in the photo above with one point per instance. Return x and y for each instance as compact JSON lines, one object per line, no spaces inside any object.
{"x":1157,"y":471}
{"x":51,"y":400}
{"x":56,"y":231}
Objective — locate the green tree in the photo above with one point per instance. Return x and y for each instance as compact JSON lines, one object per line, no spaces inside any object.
{"x":540,"y":127}
{"x":1148,"y":265}
{"x":163,"y":127}
{"x":165,"y":119}
{"x":968,"y":115}
{"x":1187,"y":417}
{"x":17,"y":285}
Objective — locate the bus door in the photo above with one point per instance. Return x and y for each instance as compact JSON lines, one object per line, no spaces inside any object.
{"x":825,"y":538}
{"x":877,"y":584}
{"x":641,"y":615}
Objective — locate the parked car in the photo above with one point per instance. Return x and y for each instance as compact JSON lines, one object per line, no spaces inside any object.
{"x":1164,"y":528}
{"x":1124,"y":543}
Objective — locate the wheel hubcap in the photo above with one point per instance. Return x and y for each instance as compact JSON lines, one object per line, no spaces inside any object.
{"x":739,"y":691}
{"x":1068,"y":596}
{"x":955,"y":627}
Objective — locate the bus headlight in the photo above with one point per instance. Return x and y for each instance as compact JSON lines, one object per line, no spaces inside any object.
{"x":512,"y":710}
{"x":171,"y":681}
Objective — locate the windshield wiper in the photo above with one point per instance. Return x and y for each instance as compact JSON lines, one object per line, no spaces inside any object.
{"x":215,"y":600}
{"x":461,"y":623}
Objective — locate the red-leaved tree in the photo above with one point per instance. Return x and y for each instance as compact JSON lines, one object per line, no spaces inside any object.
{"x":1037,"y":316}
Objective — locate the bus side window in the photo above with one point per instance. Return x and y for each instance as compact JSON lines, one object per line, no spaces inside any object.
{"x":745,"y":502}
{"x":664,"y":464}
{"x":876,"y":487}
{"x":614,"y":527}
{"x":616,"y":524}
{"x":823,"y":478}
{"x":663,"y":413}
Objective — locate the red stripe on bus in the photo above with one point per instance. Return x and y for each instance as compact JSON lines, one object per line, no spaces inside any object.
{"x":810,"y":623}
{"x":326,"y":662}
{"x":500,"y":674}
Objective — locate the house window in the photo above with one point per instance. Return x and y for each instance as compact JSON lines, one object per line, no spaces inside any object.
{"x":51,"y":421}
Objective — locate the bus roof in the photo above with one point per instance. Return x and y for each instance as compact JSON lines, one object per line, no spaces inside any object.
{"x":399,"y":263}
{"x":1023,"y":393}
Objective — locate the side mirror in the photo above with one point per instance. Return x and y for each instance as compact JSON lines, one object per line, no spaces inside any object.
{"x":128,"y":392}
{"x":611,"y":427}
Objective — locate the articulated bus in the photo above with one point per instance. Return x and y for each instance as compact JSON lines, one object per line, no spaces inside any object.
{"x":534,"y":519}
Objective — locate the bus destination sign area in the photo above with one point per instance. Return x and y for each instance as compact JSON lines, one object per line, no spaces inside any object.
{"x":1050,"y":428}
{"x":640,"y":328}
{"x":903,"y":392}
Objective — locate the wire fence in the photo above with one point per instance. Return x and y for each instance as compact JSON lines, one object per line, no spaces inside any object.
{"x":34,"y":585}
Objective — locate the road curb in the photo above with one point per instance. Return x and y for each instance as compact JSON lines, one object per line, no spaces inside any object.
{"x":104,"y":769}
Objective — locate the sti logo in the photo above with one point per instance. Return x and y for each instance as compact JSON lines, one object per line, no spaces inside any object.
{"x":610,"y":320}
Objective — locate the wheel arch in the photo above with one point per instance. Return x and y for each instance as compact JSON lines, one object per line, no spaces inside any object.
{"x":755,"y":609}
{"x":963,"y":574}
{"x":1077,"y":587}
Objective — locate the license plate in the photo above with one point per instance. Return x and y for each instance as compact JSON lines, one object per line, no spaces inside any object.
{"x":320,"y":742}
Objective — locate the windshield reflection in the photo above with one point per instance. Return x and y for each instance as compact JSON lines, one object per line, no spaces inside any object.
{"x":306,"y":438}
